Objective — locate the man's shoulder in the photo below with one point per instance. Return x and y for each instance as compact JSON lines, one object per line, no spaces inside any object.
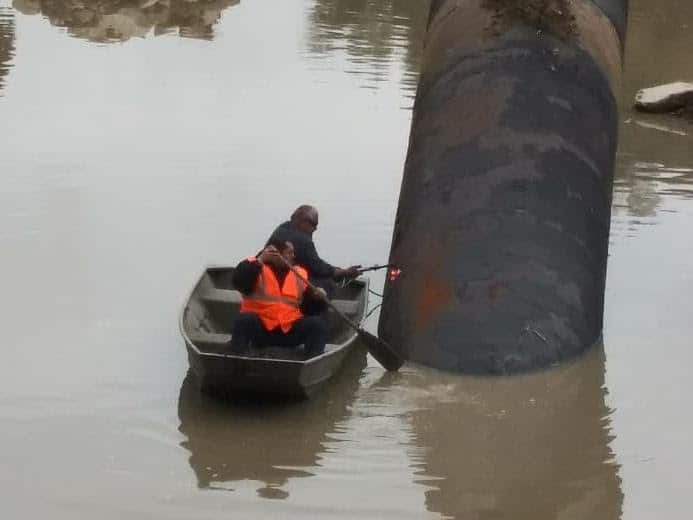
{"x":283,"y":225}
{"x":285,"y":231}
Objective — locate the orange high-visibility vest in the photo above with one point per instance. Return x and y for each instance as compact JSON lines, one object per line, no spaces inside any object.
{"x":276,"y":306}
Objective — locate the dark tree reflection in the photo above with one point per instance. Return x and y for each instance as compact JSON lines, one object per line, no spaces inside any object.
{"x":106,"y":21}
{"x":6,"y":43}
{"x":371,"y":32}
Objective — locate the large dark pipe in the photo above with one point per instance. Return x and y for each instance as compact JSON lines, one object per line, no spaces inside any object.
{"x":503,"y":222}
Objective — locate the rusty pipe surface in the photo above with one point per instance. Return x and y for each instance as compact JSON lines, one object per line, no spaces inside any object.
{"x":502,"y":226}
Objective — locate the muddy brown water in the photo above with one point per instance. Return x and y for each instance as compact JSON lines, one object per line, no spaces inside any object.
{"x":141,"y":141}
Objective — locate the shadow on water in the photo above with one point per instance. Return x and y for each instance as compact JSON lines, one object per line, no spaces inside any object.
{"x":373,"y":32}
{"x":107,"y":21}
{"x":6,"y":43}
{"x":266,"y":442}
{"x":532,"y":447}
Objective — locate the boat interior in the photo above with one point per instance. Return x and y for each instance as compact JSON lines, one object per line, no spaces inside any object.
{"x":210,"y":312}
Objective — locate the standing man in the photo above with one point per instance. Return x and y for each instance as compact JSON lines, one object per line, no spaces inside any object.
{"x":299,"y":231}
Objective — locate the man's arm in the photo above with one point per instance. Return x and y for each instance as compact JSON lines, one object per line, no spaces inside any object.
{"x":349,"y":272}
{"x":315,"y":265}
{"x":245,"y":276}
{"x":318,"y":268}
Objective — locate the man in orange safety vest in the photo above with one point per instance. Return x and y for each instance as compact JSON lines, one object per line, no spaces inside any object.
{"x":273,"y":298}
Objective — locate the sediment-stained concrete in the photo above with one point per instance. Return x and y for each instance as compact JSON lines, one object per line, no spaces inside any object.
{"x":503,"y":220}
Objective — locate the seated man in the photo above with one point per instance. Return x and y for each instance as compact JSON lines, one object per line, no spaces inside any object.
{"x":299,"y":231}
{"x":271,"y":309}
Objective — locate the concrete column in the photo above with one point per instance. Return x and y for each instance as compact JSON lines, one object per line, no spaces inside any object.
{"x":503,"y":221}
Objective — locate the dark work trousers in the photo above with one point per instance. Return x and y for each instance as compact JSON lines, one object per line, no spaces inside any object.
{"x":249,"y":330}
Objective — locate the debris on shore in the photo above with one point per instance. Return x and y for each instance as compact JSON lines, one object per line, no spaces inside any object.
{"x":675,"y":98}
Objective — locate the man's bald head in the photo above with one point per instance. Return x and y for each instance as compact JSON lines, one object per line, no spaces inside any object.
{"x":305,"y":218}
{"x":304,"y":211}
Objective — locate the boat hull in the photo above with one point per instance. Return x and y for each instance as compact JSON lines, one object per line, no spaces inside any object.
{"x":206,"y":322}
{"x":229,"y":374}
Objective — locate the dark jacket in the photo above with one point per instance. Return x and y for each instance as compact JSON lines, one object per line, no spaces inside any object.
{"x":306,"y":255}
{"x":245,"y":277}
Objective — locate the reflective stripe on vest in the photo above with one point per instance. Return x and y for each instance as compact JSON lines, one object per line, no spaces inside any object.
{"x":276,"y":306}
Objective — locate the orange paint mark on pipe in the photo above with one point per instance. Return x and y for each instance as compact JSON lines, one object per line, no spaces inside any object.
{"x":435,"y":296}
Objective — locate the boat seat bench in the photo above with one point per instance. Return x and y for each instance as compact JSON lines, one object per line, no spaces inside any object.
{"x":210,"y":338}
{"x":229,"y":296}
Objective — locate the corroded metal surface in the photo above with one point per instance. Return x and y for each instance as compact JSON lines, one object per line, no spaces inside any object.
{"x":503,"y":220}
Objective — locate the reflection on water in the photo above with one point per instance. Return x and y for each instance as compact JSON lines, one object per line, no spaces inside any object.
{"x":656,"y":151}
{"x":6,"y":43}
{"x":660,"y":35}
{"x":260,"y":442}
{"x":114,"y":187}
{"x":637,"y":195}
{"x":640,"y":192}
{"x":534,"y":447}
{"x":119,"y":20}
{"x":375,"y":33}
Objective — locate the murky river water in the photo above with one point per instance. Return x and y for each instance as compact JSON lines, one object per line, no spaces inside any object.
{"x":140,"y":143}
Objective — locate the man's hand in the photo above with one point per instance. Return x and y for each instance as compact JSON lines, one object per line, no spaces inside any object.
{"x":268,"y":254}
{"x":320,"y":294}
{"x":349,"y":272}
{"x":353,"y":271}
